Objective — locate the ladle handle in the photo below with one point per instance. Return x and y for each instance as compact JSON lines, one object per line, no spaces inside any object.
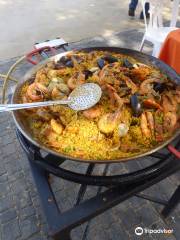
{"x":12,"y":107}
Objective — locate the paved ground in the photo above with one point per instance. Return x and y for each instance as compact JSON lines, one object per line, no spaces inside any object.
{"x":21,"y":216}
{"x":23,"y":24}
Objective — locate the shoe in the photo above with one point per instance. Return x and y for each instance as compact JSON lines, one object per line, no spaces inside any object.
{"x":131,"y":12}
{"x":142,"y":15}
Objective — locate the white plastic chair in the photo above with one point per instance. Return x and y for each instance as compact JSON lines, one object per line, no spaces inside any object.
{"x":155,"y":32}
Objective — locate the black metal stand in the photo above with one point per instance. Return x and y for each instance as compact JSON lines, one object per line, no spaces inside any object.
{"x":120,"y":188}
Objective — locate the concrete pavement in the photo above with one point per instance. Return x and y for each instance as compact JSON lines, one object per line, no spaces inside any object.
{"x":22,"y":23}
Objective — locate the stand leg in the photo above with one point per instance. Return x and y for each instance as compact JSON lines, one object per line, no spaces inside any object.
{"x":62,"y":236}
{"x":172,"y":203}
{"x":142,"y":44}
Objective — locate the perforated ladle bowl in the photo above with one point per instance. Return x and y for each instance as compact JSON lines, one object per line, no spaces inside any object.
{"x":82,"y":97}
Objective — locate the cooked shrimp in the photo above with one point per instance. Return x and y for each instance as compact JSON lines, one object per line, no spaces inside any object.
{"x":36,"y":91}
{"x":144,"y":126}
{"x":43,"y":114}
{"x":106,"y":75}
{"x":25,"y":98}
{"x":150,"y":103}
{"x":158,"y":121}
{"x":52,"y":73}
{"x":150,"y":120}
{"x":102,"y":74}
{"x":114,"y":97}
{"x":170,"y":120}
{"x":166,"y":104}
{"x":60,"y":91}
{"x":140,"y":73}
{"x":169,"y":103}
{"x":147,"y":85}
{"x":54,"y":83}
{"x":76,"y":80}
{"x":41,"y":76}
{"x":56,"y":94}
{"x":75,"y":62}
{"x":130,"y":84}
{"x":56,"y":126}
{"x":108,"y":122}
{"x":177,"y":95}
{"x":51,"y":137}
{"x":93,"y":112}
{"x":172,"y":101}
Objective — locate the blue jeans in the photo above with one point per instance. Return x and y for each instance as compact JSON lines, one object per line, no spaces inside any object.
{"x":133,"y":4}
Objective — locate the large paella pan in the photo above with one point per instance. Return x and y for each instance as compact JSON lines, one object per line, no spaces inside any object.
{"x":138,"y":112}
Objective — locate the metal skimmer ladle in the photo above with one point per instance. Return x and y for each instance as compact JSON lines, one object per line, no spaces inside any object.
{"x":82,"y":97}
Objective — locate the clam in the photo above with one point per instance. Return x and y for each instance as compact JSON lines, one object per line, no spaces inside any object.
{"x":123,"y":129}
{"x":94,"y":69}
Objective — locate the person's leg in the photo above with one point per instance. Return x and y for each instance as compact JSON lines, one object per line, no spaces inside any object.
{"x":132,"y":7}
{"x":133,"y":4}
{"x":146,"y":7}
{"x":146,"y":11}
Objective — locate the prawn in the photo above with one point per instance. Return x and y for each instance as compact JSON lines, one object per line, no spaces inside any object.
{"x":130,"y":84}
{"x":93,"y":112}
{"x":52,"y":73}
{"x":60,"y":91}
{"x":36,"y":91}
{"x":177,"y":95}
{"x":114,"y":97}
{"x":150,"y":120}
{"x":170,"y":120}
{"x":76,"y":80}
{"x":146,"y":86}
{"x":41,"y":77}
{"x":108,"y":122}
{"x":158,"y":121}
{"x":152,"y":104}
{"x":56,"y":126}
{"x":169,"y":103}
{"x":144,"y":126}
{"x":43,"y":114}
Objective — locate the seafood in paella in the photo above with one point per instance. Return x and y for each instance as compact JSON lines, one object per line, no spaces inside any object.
{"x":138,"y":110}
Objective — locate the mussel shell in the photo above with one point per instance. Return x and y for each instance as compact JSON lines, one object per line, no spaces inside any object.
{"x":78,"y":59}
{"x":63,"y":60}
{"x":110,"y":59}
{"x":58,"y":66}
{"x":127,"y":63}
{"x":101,"y":63}
{"x":69,"y":64}
{"x":136,"y":105}
{"x":87,"y":74}
{"x":159,"y":87}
